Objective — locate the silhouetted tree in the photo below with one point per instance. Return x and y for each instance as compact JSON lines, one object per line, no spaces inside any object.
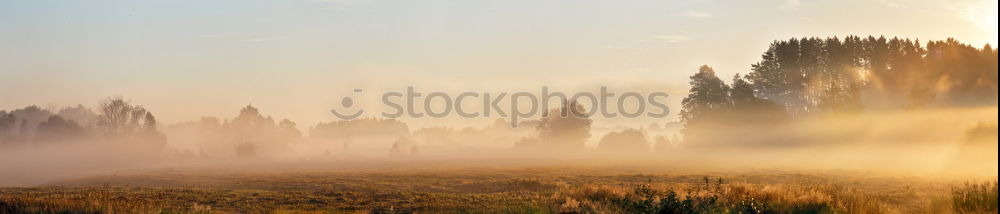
{"x":251,"y":127}
{"x":981,"y":133}
{"x":26,"y":123}
{"x":799,"y":77}
{"x":246,"y":150}
{"x":747,"y":109}
{"x":707,"y":98}
{"x":803,"y":75}
{"x":662,"y":144}
{"x":121,"y":121}
{"x":842,"y":100}
{"x":363,"y":133}
{"x":629,"y":140}
{"x":565,"y":128}
{"x":59,"y":130}
{"x":80,"y":115}
{"x":780,"y":76}
{"x":711,"y":104}
{"x":401,"y":143}
{"x":8,"y":123}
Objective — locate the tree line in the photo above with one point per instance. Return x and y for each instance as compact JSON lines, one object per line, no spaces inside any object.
{"x":117,"y":120}
{"x":795,"y":78}
{"x":807,"y":77}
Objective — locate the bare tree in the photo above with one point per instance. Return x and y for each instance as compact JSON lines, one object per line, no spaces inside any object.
{"x":120,"y":120}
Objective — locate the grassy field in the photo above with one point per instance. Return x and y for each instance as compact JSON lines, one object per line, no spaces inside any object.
{"x":502,"y":190}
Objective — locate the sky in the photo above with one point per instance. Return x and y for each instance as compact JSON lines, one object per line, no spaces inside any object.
{"x":296,"y":59}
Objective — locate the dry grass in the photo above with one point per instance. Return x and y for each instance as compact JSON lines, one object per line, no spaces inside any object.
{"x":499,"y":190}
{"x":975,"y":197}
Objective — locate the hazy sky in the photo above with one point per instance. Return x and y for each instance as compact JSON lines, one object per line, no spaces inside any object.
{"x":296,"y":58}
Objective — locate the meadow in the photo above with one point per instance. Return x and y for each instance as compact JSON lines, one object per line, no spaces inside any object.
{"x":618,"y":188}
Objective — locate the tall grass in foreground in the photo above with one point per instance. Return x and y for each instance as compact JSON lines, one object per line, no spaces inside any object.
{"x":717,"y":198}
{"x":104,"y":199}
{"x":975,"y":197}
{"x":620,"y":194}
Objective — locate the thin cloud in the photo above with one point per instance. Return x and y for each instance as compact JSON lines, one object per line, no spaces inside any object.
{"x":695,"y":14}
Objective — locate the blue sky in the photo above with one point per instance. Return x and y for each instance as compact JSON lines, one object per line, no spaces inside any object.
{"x":296,"y":58}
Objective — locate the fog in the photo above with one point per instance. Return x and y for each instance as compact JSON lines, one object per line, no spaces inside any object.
{"x":929,"y":142}
{"x":860,"y":104}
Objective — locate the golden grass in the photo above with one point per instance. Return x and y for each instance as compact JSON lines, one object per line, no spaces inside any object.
{"x":499,"y":191}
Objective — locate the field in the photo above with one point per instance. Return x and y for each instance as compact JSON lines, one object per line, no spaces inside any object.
{"x":554,"y":188}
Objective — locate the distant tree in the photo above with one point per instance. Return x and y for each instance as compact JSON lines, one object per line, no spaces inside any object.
{"x":23,"y":125}
{"x":842,"y":100}
{"x":246,"y":150}
{"x":288,"y":131}
{"x":121,"y":121}
{"x":981,"y":133}
{"x":8,"y":123}
{"x":566,"y":128}
{"x":362,"y":127}
{"x":711,"y":104}
{"x":961,"y":74}
{"x":59,"y":130}
{"x":747,"y":109}
{"x":27,"y":120}
{"x":529,"y":144}
{"x":400,"y":143}
{"x":780,"y":76}
{"x":80,"y":115}
{"x":662,"y":144}
{"x":630,"y":140}
{"x":809,"y":74}
{"x":438,"y":135}
{"x":120,"y":118}
{"x":395,"y":150}
{"x":250,"y":126}
{"x":707,"y":98}
{"x":742,"y":92}
{"x":799,"y":77}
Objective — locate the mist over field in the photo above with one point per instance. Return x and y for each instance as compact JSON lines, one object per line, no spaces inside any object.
{"x":914,"y":116}
{"x":382,"y":106}
{"x":948,"y":145}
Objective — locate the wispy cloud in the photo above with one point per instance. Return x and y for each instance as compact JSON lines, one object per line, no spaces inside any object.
{"x":695,"y":14}
{"x":671,"y":38}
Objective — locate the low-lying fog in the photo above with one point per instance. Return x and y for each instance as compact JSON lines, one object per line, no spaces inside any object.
{"x":949,"y":143}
